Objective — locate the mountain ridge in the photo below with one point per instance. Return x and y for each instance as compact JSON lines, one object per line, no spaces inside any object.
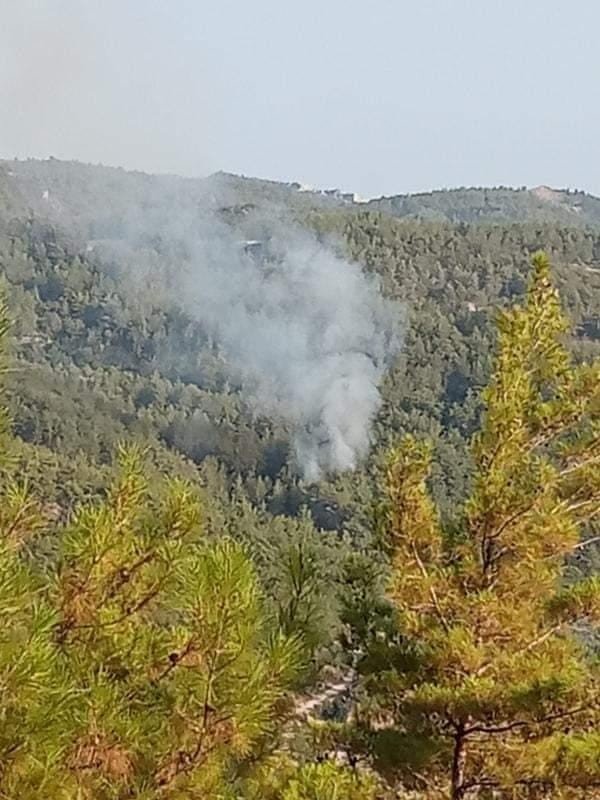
{"x":47,"y":185}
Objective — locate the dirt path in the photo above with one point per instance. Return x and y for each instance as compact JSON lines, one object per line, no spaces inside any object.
{"x":307,"y":707}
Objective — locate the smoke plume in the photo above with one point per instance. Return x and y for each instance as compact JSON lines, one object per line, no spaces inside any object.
{"x":309,"y":334}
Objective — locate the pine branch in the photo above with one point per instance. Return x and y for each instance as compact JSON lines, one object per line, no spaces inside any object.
{"x":432,"y":592}
{"x":175,"y":659}
{"x":517,"y":724}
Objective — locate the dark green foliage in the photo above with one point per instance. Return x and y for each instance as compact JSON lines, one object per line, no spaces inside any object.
{"x":498,"y":204}
{"x":502,"y":692}
{"x":98,"y":359}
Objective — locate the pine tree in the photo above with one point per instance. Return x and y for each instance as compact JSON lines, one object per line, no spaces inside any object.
{"x":141,"y":663}
{"x":283,"y":779}
{"x":35,"y":698}
{"x":167,"y":642}
{"x":137,"y":658}
{"x":492,"y":690}
{"x":328,"y":781}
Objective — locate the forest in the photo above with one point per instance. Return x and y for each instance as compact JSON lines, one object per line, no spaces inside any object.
{"x":186,"y":614}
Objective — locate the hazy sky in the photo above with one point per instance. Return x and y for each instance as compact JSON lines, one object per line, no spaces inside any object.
{"x":376,"y":96}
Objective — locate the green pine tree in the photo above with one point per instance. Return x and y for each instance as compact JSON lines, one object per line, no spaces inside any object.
{"x":491,"y":690}
{"x":139,"y":657}
{"x":168,"y":645}
{"x":35,"y":696}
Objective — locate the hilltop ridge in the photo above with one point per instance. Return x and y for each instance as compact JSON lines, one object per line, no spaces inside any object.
{"x":72,"y":189}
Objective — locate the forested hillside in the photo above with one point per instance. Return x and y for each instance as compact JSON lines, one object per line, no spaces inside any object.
{"x":498,"y":204}
{"x":100,"y":358}
{"x":104,"y":350}
{"x":114,"y":353}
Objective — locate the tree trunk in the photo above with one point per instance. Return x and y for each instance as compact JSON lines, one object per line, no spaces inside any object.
{"x":459,"y":759}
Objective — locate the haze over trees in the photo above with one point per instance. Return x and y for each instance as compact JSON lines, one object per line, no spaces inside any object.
{"x":166,"y":602}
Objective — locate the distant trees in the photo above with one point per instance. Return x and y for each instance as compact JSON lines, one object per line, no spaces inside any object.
{"x":98,"y":574}
{"x":139,"y":657}
{"x":490,"y":689}
{"x":123,"y":358}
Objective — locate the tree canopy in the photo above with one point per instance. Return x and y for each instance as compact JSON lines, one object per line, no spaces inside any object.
{"x":170,"y":605}
{"x":494,"y":686}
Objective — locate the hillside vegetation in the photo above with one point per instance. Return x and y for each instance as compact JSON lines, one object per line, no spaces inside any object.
{"x":498,"y":204}
{"x":106,"y":358}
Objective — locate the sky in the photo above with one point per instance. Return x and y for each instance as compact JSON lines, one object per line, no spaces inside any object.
{"x":377,"y":97}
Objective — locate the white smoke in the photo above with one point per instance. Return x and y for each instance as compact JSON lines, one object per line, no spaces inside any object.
{"x":306,"y":333}
{"x":309,"y":334}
